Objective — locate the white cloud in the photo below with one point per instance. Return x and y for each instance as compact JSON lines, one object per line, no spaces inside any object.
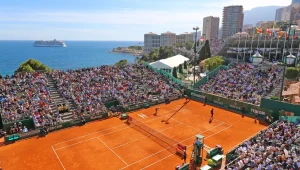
{"x":123,"y":24}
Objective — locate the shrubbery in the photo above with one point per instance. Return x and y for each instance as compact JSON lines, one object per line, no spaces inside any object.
{"x":213,"y":62}
{"x":31,"y":66}
{"x":292,"y":72}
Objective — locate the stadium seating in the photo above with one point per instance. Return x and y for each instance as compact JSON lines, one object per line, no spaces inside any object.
{"x":244,"y":82}
{"x":277,"y":147}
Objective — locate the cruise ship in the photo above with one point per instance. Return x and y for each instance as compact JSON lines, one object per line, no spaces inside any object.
{"x":53,"y":43}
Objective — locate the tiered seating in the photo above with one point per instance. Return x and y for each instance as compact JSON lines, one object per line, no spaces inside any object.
{"x":25,"y":96}
{"x":90,"y":88}
{"x":275,"y":148}
{"x":244,"y":82}
{"x":216,"y":45}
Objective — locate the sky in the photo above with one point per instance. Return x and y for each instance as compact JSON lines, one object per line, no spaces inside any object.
{"x":114,"y":20}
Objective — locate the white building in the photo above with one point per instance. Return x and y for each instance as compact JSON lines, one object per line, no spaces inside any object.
{"x":169,"y":63}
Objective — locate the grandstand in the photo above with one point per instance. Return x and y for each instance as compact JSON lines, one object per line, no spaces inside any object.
{"x":61,"y":99}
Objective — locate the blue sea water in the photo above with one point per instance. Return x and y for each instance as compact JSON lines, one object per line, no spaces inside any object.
{"x":77,"y":54}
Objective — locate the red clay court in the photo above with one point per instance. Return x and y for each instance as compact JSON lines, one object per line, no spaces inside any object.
{"x":112,"y":144}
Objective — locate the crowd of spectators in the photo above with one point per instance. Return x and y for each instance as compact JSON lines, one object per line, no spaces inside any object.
{"x":278,"y":147}
{"x":26,"y":95}
{"x":245,"y":82}
{"x":90,"y":88}
{"x":216,"y":46}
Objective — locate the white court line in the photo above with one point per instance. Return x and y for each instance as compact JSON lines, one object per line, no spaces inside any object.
{"x":99,"y":136}
{"x":157,"y":161}
{"x":110,"y":128}
{"x":144,"y":137}
{"x":209,"y":116}
{"x":113,"y":151}
{"x":58,"y":158}
{"x":172,"y":154}
{"x":167,"y":148}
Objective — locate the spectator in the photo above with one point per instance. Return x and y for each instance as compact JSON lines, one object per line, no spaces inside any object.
{"x":275,"y":148}
{"x":243,"y":82}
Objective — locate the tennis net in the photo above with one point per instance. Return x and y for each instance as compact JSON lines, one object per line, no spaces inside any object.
{"x":169,"y":144}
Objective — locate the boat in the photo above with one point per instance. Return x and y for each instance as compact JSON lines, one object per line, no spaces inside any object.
{"x":53,"y":43}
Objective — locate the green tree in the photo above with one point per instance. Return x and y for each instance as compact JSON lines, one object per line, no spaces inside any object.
{"x":204,"y":52}
{"x":189,"y":45}
{"x":185,"y":65}
{"x":208,"y":53}
{"x":31,"y":66}
{"x":174,"y":73}
{"x":121,"y":63}
{"x":180,"y":69}
{"x":292,"y":72}
{"x":213,"y":62}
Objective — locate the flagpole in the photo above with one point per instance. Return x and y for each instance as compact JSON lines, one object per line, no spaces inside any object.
{"x":260,"y":31}
{"x":237,"y":56}
{"x":252,"y":40}
{"x":277,"y":46}
{"x":265,"y":44}
{"x":292,"y":43}
{"x":245,"y":48}
{"x":271,"y":43}
{"x":283,"y":50}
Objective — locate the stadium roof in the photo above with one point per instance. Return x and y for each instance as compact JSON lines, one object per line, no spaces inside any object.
{"x":170,"y":62}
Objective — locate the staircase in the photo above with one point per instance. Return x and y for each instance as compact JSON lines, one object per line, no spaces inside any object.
{"x":58,"y":99}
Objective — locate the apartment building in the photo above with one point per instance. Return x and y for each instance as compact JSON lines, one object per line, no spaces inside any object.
{"x":151,"y":42}
{"x":167,"y":39}
{"x":183,"y":38}
{"x":210,"y":27}
{"x":233,"y":19}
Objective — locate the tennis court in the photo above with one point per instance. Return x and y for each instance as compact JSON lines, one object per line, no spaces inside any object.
{"x":112,"y":144}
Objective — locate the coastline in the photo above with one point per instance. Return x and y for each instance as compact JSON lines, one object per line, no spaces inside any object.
{"x":135,"y":51}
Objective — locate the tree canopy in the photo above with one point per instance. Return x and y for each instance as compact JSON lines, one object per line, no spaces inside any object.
{"x":121,"y":63}
{"x":31,"y":66}
{"x":292,"y":72}
{"x":213,"y":62}
{"x":157,"y":54}
{"x":204,"y":52}
{"x":189,"y":45}
{"x":174,"y":73}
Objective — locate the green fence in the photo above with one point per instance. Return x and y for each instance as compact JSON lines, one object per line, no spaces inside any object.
{"x":233,"y":105}
{"x":26,"y":122}
{"x":166,"y":74}
{"x":277,"y":106}
{"x":111,"y":103}
{"x":294,"y":119}
{"x":212,"y":74}
{"x":138,"y":106}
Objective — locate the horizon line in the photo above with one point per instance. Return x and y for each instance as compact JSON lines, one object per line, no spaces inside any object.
{"x":83,"y":40}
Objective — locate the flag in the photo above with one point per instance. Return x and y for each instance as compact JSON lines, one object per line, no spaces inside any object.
{"x":268,"y":32}
{"x":280,"y":34}
{"x":258,"y":30}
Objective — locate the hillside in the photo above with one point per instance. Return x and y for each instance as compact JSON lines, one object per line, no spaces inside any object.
{"x":266,"y":13}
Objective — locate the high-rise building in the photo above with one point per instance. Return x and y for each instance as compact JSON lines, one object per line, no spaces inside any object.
{"x":167,"y":39}
{"x":288,"y":13}
{"x":233,"y":19}
{"x":295,"y":12}
{"x":151,"y":42}
{"x":279,"y":13}
{"x":211,"y":27}
{"x":183,"y":38}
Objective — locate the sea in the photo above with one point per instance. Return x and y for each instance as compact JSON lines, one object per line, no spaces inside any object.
{"x":77,"y":54}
